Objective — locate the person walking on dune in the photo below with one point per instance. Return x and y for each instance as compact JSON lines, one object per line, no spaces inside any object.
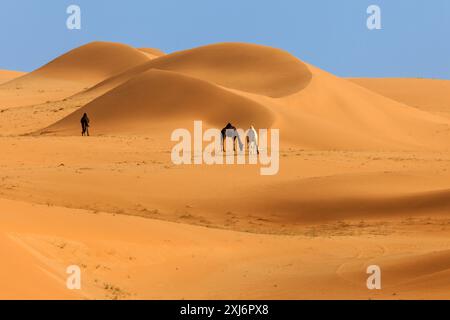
{"x":85,"y":125}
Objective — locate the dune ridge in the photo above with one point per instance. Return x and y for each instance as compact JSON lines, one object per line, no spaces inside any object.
{"x":152,"y":52}
{"x":89,"y":63}
{"x":245,"y":67}
{"x":71,"y":73}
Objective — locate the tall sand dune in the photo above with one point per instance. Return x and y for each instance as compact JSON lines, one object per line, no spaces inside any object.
{"x":90,"y":63}
{"x":156,"y":98}
{"x":71,"y":73}
{"x":245,"y":67}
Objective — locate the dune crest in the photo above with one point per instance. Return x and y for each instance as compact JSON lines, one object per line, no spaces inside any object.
{"x":89,"y":63}
{"x":153,"y":52}
{"x":246,"y":67}
{"x":71,"y":73}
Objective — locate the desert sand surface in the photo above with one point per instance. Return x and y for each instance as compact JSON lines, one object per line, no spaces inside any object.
{"x":124,"y":257}
{"x":431,"y":95}
{"x":6,"y":75}
{"x":364,"y":179}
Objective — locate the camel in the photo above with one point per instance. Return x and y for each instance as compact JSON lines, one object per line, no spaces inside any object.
{"x":230,"y":132}
{"x":252,"y":141}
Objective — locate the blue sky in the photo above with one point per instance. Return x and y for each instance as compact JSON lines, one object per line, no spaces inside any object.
{"x":331,"y":34}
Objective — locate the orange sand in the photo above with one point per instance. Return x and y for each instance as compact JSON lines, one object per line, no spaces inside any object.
{"x":364,"y":179}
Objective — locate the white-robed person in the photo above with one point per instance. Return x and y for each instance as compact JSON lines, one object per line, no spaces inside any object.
{"x":252,"y":141}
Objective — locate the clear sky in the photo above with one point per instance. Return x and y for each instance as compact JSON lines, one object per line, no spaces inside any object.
{"x":331,"y":34}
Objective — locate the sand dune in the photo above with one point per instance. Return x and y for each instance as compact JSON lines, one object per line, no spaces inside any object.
{"x":154,"y":96}
{"x":327,"y":112}
{"x":251,"y":68}
{"x":89,"y":64}
{"x":71,"y":73}
{"x":327,"y":199}
{"x":6,"y":75}
{"x":426,"y":94}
